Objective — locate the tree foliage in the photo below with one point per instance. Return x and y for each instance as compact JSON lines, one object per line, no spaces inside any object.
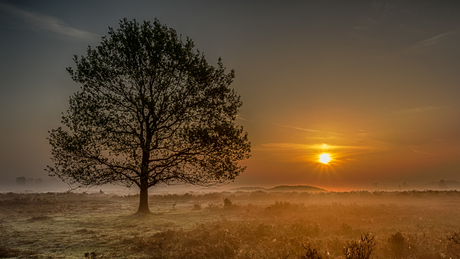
{"x":151,"y":111}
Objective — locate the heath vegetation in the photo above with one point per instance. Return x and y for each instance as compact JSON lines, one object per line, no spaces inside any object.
{"x":412,"y":224}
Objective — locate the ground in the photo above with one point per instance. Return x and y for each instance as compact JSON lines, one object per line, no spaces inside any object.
{"x":410,"y":224}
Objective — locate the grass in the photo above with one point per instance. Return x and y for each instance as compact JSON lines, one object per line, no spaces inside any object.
{"x":292,"y":225}
{"x":8,"y":252}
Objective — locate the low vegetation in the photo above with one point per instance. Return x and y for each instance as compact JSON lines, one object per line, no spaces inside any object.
{"x":413,"y":224}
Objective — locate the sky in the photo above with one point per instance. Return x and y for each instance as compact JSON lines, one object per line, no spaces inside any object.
{"x":375,"y":84}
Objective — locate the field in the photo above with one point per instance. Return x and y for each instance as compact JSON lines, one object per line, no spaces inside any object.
{"x":410,"y":224}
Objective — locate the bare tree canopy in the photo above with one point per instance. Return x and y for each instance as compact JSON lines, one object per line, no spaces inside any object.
{"x":151,"y":111}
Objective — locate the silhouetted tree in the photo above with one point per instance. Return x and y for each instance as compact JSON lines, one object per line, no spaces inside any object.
{"x":442,"y":184}
{"x":151,"y":111}
{"x":405,"y":186}
{"x":21,"y":180}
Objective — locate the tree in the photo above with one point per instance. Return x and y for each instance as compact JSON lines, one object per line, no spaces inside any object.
{"x":21,"y":180}
{"x":150,"y":112}
{"x":442,"y":184}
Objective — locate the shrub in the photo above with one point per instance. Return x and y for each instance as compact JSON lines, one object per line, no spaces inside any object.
{"x":453,"y":247}
{"x":227,"y":203}
{"x":310,"y":253}
{"x":361,"y":249}
{"x":454,"y":238}
{"x":91,"y":255}
{"x":398,"y":244}
{"x":197,"y":206}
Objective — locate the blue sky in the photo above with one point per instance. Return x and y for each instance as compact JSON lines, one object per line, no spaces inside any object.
{"x":374,"y":83}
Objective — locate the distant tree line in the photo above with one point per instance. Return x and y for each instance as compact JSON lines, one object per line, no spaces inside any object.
{"x":441,"y":185}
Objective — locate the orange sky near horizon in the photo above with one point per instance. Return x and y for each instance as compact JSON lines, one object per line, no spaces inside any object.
{"x":377,"y":82}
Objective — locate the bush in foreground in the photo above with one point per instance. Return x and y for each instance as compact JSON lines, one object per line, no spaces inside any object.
{"x":361,"y":249}
{"x":310,"y":254}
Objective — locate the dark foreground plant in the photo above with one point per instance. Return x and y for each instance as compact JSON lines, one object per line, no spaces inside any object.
{"x":454,"y":238}
{"x":398,"y":244}
{"x":453,"y":247}
{"x":361,"y":249}
{"x":310,"y":253}
{"x":91,"y":255}
{"x":227,"y":203}
{"x":197,"y":206}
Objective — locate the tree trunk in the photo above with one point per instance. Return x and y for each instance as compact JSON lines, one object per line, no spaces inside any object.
{"x":144,"y":200}
{"x":144,"y":181}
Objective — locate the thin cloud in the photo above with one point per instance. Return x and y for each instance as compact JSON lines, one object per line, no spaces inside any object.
{"x":433,"y":40}
{"x":281,"y":146}
{"x":42,"y":22}
{"x":241,"y":118}
{"x":424,"y":45}
{"x":295,"y":146}
{"x":425,"y":153}
{"x":297,"y":128}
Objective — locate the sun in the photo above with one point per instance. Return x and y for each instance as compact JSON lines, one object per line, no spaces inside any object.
{"x":324,"y":158}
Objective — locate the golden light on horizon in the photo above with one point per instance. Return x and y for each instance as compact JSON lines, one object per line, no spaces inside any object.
{"x":324,"y":158}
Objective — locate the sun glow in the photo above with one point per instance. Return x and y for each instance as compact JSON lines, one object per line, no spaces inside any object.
{"x":324,"y":158}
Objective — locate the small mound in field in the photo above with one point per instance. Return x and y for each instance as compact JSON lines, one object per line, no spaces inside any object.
{"x":295,"y":188}
{"x":249,"y":189}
